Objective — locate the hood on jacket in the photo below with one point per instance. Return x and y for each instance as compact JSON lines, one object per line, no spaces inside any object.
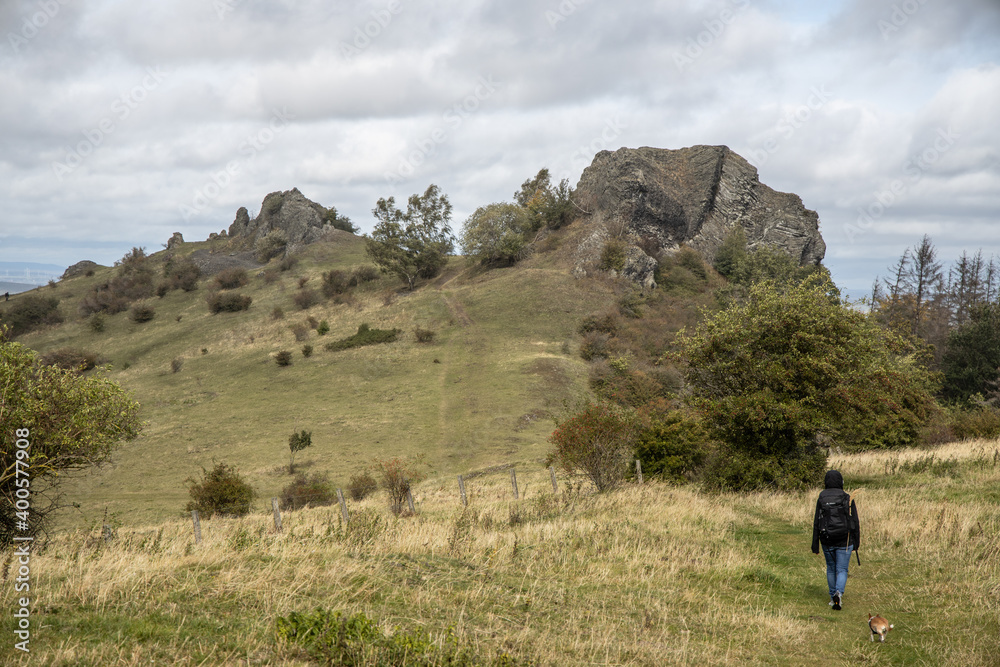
{"x":833,"y":480}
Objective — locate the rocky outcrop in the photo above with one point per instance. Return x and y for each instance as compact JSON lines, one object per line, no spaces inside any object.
{"x":300,"y":220}
{"x":80,"y":269}
{"x":175,"y":240}
{"x":694,"y":196}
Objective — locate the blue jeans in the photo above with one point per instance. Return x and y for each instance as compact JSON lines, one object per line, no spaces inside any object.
{"x":837,"y":560}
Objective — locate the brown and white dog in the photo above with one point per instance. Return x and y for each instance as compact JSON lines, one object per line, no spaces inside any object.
{"x":879,"y":626}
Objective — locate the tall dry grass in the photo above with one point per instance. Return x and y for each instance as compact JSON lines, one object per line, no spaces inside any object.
{"x":642,"y":576}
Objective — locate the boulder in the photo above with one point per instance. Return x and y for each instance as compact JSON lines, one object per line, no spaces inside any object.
{"x":302,"y":221}
{"x":79,"y":269}
{"x":176,"y":239}
{"x":692,"y":196}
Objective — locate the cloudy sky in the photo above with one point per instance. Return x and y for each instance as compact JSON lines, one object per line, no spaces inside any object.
{"x":123,"y":122}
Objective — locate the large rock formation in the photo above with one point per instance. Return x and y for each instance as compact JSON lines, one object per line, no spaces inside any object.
{"x":693,"y":196}
{"x":302,"y":221}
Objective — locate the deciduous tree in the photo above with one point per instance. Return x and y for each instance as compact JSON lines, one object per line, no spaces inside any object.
{"x":775,"y":371}
{"x":415,"y":243}
{"x":64,"y":422}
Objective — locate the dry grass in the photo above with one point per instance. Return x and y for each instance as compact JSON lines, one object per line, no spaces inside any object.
{"x":642,"y":576}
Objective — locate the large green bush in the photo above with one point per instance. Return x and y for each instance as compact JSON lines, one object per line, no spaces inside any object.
{"x":497,"y":233}
{"x":773,"y":372}
{"x":221,"y":490}
{"x":673,"y":447}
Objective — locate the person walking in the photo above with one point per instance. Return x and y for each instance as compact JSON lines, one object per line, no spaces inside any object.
{"x":836,"y":526}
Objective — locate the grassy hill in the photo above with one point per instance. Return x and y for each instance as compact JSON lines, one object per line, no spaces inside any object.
{"x":651,"y":575}
{"x":502,"y":359}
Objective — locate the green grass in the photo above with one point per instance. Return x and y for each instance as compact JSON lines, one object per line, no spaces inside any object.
{"x":477,"y":396}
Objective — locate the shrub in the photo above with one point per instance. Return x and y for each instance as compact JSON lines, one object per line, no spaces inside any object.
{"x":980,"y":422}
{"x":314,"y":490}
{"x":300,"y":331}
{"x":673,"y":447}
{"x":361,"y":486}
{"x":96,"y":322}
{"x":613,"y":255}
{"x":133,"y":281}
{"x":228,"y":302}
{"x":232,"y":278}
{"x":323,"y":328}
{"x":141,"y":312}
{"x":283,"y":358}
{"x":181,"y":274}
{"x":365,"y":273}
{"x":423,"y":335}
{"x":365,"y":336}
{"x":306,"y":298}
{"x":395,"y":476}
{"x":71,"y":358}
{"x":177,"y":364}
{"x":270,"y":246}
{"x":302,"y":281}
{"x":596,"y":344}
{"x":606,"y":323}
{"x":341,"y":639}
{"x":313,"y":322}
{"x":30,"y":311}
{"x":596,"y":441}
{"x":277,"y":313}
{"x":335,"y":282}
{"x":221,"y":491}
{"x":307,"y":350}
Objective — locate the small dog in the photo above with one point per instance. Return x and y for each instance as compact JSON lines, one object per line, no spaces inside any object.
{"x":879,"y":626}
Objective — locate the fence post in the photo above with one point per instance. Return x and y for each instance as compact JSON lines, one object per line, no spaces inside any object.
{"x":461,"y":487}
{"x":552,"y":474}
{"x":513,"y":482}
{"x":343,"y":507}
{"x":197,"y":526}
{"x":409,"y":500}
{"x":638,"y":470}
{"x":277,"y":514}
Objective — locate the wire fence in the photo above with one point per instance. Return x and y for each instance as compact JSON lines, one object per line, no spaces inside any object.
{"x":325,"y":498}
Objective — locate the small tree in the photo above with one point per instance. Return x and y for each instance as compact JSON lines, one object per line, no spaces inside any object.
{"x":54,"y":422}
{"x":597,"y":441}
{"x":296,"y":443}
{"x":497,"y":233}
{"x":414,"y":244}
{"x":395,"y":476}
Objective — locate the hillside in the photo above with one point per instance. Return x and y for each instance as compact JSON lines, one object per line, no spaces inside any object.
{"x":502,"y":360}
{"x":651,"y":575}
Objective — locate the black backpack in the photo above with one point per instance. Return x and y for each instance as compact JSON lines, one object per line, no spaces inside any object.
{"x":835,"y":520}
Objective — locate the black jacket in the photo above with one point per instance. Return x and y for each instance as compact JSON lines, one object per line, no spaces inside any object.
{"x":834,"y":482}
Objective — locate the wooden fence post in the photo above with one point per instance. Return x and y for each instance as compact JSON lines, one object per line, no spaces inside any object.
{"x":513,"y":482}
{"x":409,"y":500}
{"x":343,"y":507}
{"x":197,"y":526}
{"x":638,"y":470}
{"x":461,"y":487}
{"x":277,"y":514}
{"x":552,"y":474}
